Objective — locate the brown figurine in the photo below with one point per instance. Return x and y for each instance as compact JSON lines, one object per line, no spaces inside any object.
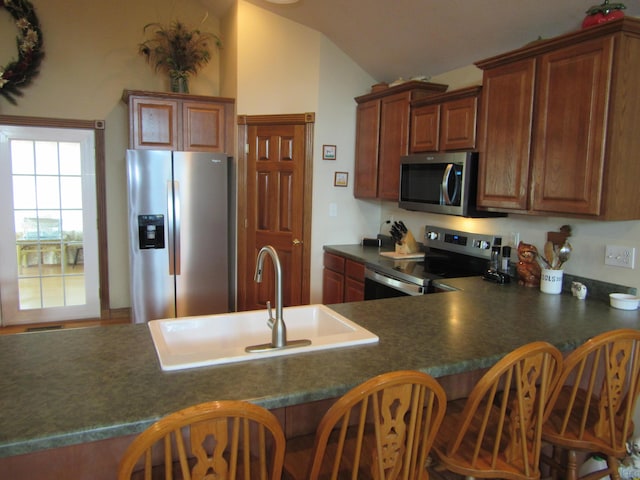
{"x":528,"y":267}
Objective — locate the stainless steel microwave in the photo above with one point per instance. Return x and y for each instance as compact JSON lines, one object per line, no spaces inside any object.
{"x":441,"y":183}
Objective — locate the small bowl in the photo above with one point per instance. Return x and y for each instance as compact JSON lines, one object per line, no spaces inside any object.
{"x":624,"y":301}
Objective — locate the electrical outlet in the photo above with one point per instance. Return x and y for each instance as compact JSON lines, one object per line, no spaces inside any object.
{"x":617,"y":256}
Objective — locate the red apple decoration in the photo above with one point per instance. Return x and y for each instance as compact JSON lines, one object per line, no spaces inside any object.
{"x":605,"y":12}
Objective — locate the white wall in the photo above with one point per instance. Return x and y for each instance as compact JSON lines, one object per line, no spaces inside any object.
{"x":284,"y":67}
{"x":91,"y":55}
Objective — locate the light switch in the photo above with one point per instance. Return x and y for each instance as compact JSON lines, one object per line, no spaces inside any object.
{"x":333,"y":209}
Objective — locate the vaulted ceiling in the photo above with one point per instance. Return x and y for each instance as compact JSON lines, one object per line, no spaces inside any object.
{"x":408,"y":38}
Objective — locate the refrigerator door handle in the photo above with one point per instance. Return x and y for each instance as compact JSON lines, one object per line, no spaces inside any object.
{"x":173,"y":213}
{"x":176,"y":225}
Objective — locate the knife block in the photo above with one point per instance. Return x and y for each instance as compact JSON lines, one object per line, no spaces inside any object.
{"x":408,"y":244}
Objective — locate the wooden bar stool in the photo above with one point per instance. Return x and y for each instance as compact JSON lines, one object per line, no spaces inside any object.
{"x":381,"y":429}
{"x":591,"y":410}
{"x":496,"y":432}
{"x":228,"y":440}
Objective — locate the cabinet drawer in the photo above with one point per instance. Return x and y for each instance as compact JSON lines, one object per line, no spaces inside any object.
{"x":334,"y":262}
{"x":354,"y":270}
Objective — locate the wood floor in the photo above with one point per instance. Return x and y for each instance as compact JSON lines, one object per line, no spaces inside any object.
{"x":36,"y":327}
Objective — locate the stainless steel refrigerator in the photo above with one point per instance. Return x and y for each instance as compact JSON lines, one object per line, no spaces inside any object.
{"x":181,"y":233}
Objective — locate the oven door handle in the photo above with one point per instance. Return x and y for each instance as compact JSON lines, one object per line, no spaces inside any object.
{"x":409,"y":288}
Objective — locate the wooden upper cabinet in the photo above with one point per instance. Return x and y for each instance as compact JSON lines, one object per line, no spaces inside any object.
{"x":425,"y":128}
{"x":382,"y":137}
{"x":366,"y":164}
{"x":569,"y":132}
{"x":172,"y":121}
{"x":505,"y":126}
{"x":203,"y":126}
{"x":559,"y":125}
{"x":445,"y":122}
{"x":153,"y":123}
{"x":458,"y":127}
{"x":394,"y":142}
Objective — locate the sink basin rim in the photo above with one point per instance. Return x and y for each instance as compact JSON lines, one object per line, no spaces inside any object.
{"x":343,"y":333}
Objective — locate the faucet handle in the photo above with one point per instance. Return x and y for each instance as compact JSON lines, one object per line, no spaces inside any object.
{"x":271,"y":320}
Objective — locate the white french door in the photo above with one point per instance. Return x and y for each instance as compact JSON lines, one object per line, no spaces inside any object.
{"x":48,"y":240}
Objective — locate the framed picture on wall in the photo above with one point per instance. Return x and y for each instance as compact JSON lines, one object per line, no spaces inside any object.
{"x":328,"y":152}
{"x":341,"y":179}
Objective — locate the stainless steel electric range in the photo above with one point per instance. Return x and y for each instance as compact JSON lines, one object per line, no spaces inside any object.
{"x":447,"y":254}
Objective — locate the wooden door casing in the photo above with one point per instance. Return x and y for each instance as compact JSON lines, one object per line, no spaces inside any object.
{"x":274,"y":207}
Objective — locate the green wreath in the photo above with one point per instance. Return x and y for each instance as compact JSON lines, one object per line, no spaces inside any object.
{"x":19,"y":73}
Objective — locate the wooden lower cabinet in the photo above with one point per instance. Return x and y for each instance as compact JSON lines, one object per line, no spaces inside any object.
{"x":342,"y":280}
{"x":353,"y":281}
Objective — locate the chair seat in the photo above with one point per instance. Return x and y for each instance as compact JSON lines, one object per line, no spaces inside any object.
{"x":382,"y":429}
{"x":591,"y":410}
{"x":496,"y":431}
{"x":463,"y":455}
{"x":572,"y":437}
{"x":299,"y":454}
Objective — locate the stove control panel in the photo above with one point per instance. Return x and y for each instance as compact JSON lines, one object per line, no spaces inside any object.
{"x":475,"y":244}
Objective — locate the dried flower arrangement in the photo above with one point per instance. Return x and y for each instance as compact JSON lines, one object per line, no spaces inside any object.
{"x":178,"y":51}
{"x":17,"y":74}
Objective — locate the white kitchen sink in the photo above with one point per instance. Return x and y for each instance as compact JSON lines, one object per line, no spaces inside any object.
{"x":218,"y":339}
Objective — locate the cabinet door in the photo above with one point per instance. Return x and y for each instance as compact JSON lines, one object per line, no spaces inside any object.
{"x":366,"y":161}
{"x":203,"y":126}
{"x":425,"y":129}
{"x":353,"y":290}
{"x":506,"y":119}
{"x":570,"y":127}
{"x":332,"y":287}
{"x":354,"y":281}
{"x":155,"y":124}
{"x":458,"y":124}
{"x":394,"y":142}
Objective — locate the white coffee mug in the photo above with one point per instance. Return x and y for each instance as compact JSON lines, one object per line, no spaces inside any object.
{"x":551,"y":281}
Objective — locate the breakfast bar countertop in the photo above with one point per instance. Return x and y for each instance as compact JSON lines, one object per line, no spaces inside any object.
{"x":66,"y":387}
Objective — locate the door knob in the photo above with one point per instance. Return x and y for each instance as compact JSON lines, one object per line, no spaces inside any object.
{"x":297,"y":242}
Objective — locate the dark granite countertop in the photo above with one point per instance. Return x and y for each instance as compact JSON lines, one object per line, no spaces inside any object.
{"x":72,"y":386}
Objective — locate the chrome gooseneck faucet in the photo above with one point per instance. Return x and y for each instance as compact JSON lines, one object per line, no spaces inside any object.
{"x":278,"y":328}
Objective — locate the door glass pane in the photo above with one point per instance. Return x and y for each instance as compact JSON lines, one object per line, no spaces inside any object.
{"x":22,"y":157}
{"x":48,"y":219}
{"x":49,"y":266}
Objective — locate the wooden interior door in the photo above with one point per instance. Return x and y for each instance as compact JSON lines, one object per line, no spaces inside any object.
{"x":274,"y":206}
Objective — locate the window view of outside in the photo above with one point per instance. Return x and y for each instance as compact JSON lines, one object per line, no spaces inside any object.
{"x":47,"y":201}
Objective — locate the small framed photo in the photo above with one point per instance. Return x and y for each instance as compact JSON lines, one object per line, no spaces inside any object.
{"x":328,"y":152}
{"x":341,"y":179}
